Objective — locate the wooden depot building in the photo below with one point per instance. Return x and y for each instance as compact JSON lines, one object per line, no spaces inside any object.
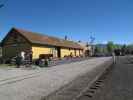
{"x":18,"y":40}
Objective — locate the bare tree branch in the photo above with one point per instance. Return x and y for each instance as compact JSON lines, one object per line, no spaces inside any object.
{"x":1,"y":5}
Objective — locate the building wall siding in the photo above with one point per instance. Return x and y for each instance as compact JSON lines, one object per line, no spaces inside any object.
{"x":37,"y":50}
{"x":64,"y":52}
{"x":13,"y":45}
{"x":67,"y":52}
{"x":72,"y":51}
{"x":0,"y":51}
{"x":77,"y":53}
{"x":10,"y":51}
{"x":81,"y":52}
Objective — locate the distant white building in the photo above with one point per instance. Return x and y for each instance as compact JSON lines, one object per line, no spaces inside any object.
{"x":87,"y":48}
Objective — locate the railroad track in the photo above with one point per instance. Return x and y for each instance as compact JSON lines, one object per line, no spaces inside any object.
{"x":88,"y":92}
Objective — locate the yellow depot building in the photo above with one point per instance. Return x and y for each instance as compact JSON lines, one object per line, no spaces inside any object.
{"x":18,"y":40}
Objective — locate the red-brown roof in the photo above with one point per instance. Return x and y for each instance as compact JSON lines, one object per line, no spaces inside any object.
{"x":36,"y":38}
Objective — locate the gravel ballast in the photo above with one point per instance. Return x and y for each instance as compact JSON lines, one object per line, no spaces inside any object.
{"x":47,"y":80}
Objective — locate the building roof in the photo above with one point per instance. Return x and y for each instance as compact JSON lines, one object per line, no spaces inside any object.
{"x":42,"y":39}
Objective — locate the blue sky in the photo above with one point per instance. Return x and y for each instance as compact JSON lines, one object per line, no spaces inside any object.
{"x":106,"y":20}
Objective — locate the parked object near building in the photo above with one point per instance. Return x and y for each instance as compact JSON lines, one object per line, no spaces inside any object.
{"x":18,"y":40}
{"x":18,"y":60}
{"x":23,"y":55}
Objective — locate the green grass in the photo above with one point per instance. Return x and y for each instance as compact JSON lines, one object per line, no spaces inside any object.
{"x":7,"y":66}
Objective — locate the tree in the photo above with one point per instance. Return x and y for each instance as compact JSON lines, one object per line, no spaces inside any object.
{"x":110,"y":46}
{"x":0,"y":51}
{"x":130,"y":49}
{"x":97,"y":49}
{"x":117,"y":46}
{"x":124,"y":49}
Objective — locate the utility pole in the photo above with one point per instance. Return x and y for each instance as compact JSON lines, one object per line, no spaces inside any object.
{"x":66,"y":38}
{"x":92,"y":39}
